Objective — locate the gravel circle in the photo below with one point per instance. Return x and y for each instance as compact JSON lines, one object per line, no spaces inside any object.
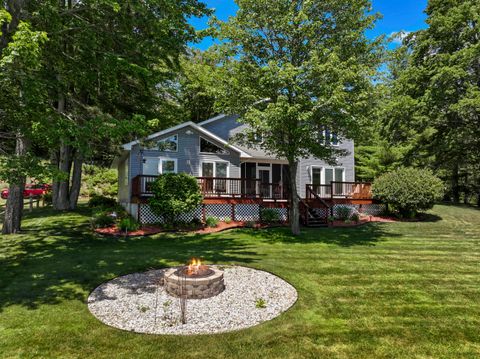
{"x":138,"y":302}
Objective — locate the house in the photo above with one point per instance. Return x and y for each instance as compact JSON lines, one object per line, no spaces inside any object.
{"x":231,"y":175}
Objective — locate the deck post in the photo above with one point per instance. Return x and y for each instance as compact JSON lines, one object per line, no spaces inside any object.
{"x":233,"y":211}
{"x":204,"y":213}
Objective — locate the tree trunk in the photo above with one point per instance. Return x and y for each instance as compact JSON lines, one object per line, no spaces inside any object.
{"x":294,"y":214}
{"x":14,"y":206}
{"x":455,"y":188}
{"x":76,"y":180}
{"x":62,"y":195}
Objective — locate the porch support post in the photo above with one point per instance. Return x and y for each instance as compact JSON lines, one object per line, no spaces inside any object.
{"x":233,"y":211}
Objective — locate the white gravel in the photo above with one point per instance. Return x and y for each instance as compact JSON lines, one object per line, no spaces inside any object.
{"x":136,"y":302}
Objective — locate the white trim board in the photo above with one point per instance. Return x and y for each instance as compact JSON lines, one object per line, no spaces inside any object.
{"x":128,"y":146}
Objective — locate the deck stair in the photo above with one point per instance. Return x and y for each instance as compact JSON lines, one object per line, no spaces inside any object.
{"x":314,"y":210}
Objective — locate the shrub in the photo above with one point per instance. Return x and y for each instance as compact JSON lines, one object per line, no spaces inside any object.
{"x":211,"y":222}
{"x":128,"y":224}
{"x":269,"y":215}
{"x":174,"y":194}
{"x":343,"y":212}
{"x":355,"y":217}
{"x":102,"y":220}
{"x":99,"y":181}
{"x":408,"y":190}
{"x":228,"y":220}
{"x":102,"y":201}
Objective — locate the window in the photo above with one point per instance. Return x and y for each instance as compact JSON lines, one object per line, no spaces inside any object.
{"x":209,"y":147}
{"x":215,"y":169}
{"x":329,"y":137}
{"x":167,"y":165}
{"x":316,"y":175}
{"x":169,"y":144}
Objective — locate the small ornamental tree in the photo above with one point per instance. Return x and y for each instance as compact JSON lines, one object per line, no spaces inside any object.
{"x":408,"y":190}
{"x":174,"y":194}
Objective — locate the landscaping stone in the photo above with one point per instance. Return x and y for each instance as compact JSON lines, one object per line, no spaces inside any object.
{"x":138,"y":302}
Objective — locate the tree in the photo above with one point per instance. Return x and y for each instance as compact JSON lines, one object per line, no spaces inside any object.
{"x":109,"y":65}
{"x":435,"y":101}
{"x":22,"y":106}
{"x":197,"y":93}
{"x":312,"y":64}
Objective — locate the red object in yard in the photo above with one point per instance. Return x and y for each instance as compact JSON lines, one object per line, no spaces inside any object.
{"x":31,"y":190}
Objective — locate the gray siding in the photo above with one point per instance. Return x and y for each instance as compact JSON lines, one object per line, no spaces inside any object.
{"x":346,"y":162}
{"x":188,"y":156}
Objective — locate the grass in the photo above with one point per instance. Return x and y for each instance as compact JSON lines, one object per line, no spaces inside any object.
{"x":391,"y":290}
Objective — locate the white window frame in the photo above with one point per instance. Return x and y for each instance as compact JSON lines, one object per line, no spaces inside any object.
{"x":160,"y":164}
{"x":324,"y":134}
{"x":322,"y":173}
{"x":165,"y":138}
{"x":211,"y":153}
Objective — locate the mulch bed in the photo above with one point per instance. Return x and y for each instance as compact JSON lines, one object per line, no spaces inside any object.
{"x":150,"y":230}
{"x":363,"y":220}
{"x":117,"y":232}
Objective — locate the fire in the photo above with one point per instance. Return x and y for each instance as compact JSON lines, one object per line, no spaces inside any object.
{"x":194,"y":266}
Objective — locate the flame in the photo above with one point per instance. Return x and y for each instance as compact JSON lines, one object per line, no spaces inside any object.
{"x":194,"y":266}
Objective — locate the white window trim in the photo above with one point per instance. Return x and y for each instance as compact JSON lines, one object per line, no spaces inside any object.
{"x":163,"y":139}
{"x":322,"y":173}
{"x":211,"y":153}
{"x":214,"y":167}
{"x":324,"y":133}
{"x":161,"y":159}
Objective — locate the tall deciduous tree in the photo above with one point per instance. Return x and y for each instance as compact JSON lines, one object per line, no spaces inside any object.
{"x":107,"y":62}
{"x":22,"y":104}
{"x":314,"y":64}
{"x":435,"y":102}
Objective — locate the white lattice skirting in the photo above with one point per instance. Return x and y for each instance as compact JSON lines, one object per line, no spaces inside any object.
{"x":241,"y":212}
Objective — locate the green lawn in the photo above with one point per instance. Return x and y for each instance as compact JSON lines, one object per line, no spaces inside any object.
{"x":394,"y":290}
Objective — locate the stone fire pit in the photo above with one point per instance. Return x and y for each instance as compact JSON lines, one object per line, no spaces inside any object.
{"x":207,"y":283}
{"x":149,"y":302}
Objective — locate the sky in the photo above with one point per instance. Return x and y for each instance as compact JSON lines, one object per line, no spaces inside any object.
{"x":398,"y":15}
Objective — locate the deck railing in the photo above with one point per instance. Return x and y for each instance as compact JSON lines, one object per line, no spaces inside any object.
{"x":221,"y":187}
{"x":216,"y":187}
{"x":350,"y":190}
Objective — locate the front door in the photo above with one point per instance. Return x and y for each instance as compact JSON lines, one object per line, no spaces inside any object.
{"x":264,"y":177}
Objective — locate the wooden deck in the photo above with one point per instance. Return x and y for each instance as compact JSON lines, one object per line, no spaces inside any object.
{"x":220,"y":190}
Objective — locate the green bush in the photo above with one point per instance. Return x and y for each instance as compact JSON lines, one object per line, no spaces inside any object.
{"x":228,"y":220}
{"x":211,"y":222}
{"x":174,"y":194}
{"x":99,"y":181}
{"x":103,"y":220}
{"x":269,"y":215}
{"x":355,"y":217}
{"x":408,"y":190}
{"x":102,"y":201}
{"x":128,"y":224}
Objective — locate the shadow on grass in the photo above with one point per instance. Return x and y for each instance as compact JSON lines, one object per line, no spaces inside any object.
{"x":364,"y":235}
{"x":57,"y":257}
